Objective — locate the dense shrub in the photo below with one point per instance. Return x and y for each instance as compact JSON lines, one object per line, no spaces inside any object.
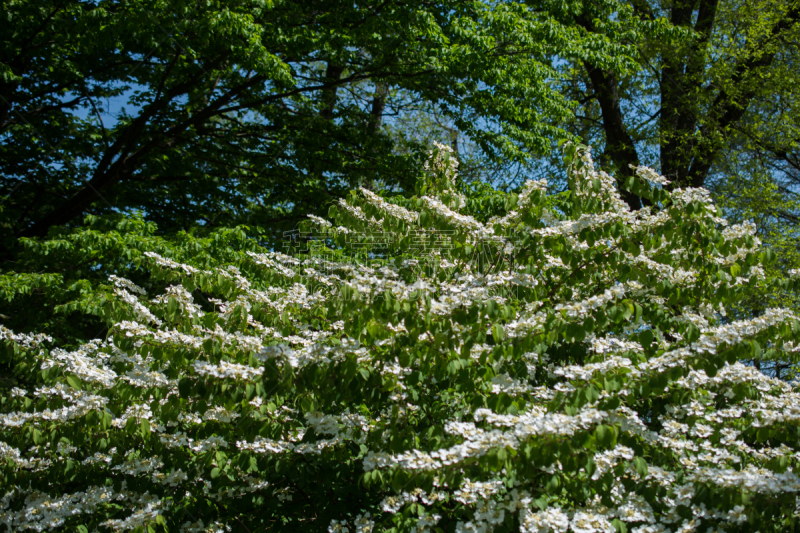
{"x":567,"y":365}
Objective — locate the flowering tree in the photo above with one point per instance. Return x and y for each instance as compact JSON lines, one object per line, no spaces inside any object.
{"x":565,"y":366}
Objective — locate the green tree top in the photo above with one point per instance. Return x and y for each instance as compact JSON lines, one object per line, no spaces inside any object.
{"x":253,"y":111}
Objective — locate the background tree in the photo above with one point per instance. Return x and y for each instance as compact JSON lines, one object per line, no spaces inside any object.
{"x":720,"y":71}
{"x":256,"y":111}
{"x":714,"y":104}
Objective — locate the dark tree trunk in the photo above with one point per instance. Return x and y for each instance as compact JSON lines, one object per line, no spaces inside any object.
{"x":619,"y":144}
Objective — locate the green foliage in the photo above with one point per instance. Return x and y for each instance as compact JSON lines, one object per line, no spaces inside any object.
{"x":566,"y":363}
{"x":258,"y":112}
{"x":60,"y":286}
{"x":751,"y":194}
{"x":714,"y":104}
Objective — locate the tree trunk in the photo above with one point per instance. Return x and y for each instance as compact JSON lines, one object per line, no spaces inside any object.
{"x":619,"y":144}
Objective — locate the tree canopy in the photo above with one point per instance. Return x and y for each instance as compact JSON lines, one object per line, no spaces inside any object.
{"x":255,"y":111}
{"x":723,"y":73}
{"x":562,"y":364}
{"x":714,"y":104}
{"x":254,"y":301}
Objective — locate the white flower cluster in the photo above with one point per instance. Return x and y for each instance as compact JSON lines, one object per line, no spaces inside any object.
{"x":586,"y":384}
{"x":182,"y":297}
{"x":227,"y":370}
{"x":649,"y":174}
{"x":140,"y":311}
{"x":440,"y":160}
{"x":23,"y":339}
{"x":465,"y":222}
{"x":45,"y":512}
{"x":552,"y":519}
{"x":126,"y":284}
{"x":393,"y":210}
{"x":320,"y":221}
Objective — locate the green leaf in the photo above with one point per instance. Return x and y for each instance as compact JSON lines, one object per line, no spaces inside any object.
{"x":172,"y":306}
{"x":74,"y":382}
{"x":601,"y":434}
{"x":641,"y":466}
{"x":145,"y":428}
{"x":497,"y":332}
{"x":185,"y":387}
{"x":646,"y":337}
{"x":619,"y":525}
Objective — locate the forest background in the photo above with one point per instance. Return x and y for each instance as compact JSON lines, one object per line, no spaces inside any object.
{"x":125,"y":120}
